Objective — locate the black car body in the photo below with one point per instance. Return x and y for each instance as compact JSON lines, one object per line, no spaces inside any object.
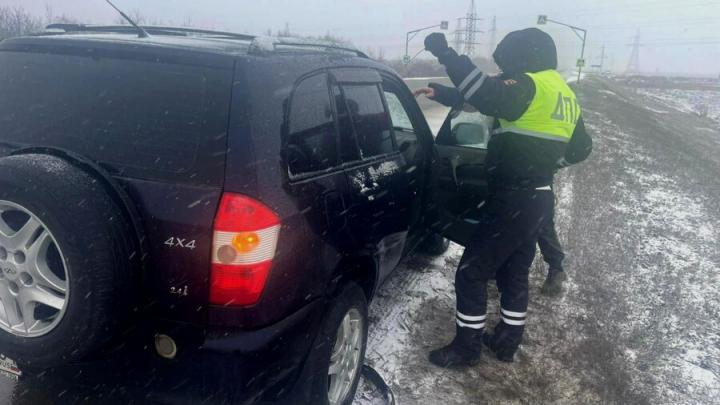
{"x":178,"y":127}
{"x":173,"y":123}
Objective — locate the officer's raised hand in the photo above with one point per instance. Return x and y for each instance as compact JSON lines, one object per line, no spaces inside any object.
{"x":436,"y":44}
{"x":447,"y":96}
{"x":428,"y":92}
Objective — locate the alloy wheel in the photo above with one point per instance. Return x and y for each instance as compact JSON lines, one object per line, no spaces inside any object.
{"x":34,"y":282}
{"x":345,"y":357}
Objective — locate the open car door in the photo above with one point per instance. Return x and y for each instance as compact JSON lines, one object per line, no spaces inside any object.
{"x":459,"y":185}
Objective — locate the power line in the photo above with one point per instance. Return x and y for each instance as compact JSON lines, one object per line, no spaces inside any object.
{"x":610,"y":9}
{"x":637,"y":7}
{"x":659,"y":42}
{"x":657,"y":45}
{"x":656,"y":23}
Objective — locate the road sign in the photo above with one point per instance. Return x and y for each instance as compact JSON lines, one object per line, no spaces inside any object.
{"x":406,"y":59}
{"x":444,"y":25}
{"x":542,"y":20}
{"x":580,"y":63}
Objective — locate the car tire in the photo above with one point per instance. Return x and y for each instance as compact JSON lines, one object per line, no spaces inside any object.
{"x":86,"y":235}
{"x":435,"y":245}
{"x":350,"y":305}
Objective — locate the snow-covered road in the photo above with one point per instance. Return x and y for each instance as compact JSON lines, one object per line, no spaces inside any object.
{"x":639,"y":320}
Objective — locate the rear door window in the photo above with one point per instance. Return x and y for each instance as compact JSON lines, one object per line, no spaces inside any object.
{"x":311,"y":141}
{"x":370,"y":118}
{"x":349,"y":148}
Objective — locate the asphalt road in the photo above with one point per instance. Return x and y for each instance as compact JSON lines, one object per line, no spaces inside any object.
{"x":637,"y":323}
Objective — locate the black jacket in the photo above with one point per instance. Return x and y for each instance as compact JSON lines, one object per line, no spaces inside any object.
{"x":580,"y":145}
{"x":513,"y":160}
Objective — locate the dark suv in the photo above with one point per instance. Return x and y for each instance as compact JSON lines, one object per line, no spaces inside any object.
{"x":200,"y":216}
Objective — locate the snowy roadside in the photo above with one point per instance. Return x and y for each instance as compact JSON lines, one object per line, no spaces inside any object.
{"x":637,"y":323}
{"x":661,"y":324}
{"x":690,"y":101}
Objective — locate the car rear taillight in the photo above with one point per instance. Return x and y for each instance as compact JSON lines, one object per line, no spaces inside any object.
{"x":244,"y":242}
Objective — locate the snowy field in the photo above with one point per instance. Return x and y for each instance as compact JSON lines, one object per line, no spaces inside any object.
{"x":637,"y":323}
{"x":698,"y":102}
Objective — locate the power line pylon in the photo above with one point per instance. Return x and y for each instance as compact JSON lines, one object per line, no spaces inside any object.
{"x":600,"y":65}
{"x":471,"y":30}
{"x":459,"y":35}
{"x":634,"y":62}
{"x":466,"y":32}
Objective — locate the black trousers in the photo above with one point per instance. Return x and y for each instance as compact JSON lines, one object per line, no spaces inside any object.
{"x":503,"y":247}
{"x":550,"y":246}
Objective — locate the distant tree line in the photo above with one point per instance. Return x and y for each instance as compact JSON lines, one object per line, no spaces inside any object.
{"x":16,"y":21}
{"x":327,"y":37}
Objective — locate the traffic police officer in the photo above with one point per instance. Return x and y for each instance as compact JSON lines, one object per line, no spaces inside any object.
{"x":536,"y":116}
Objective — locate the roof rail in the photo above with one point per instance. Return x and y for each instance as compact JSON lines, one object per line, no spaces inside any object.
{"x":259,"y":43}
{"x":269,"y":44}
{"x":156,"y":30}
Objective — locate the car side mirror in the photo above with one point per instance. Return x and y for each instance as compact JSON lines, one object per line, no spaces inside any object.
{"x":470,"y":134}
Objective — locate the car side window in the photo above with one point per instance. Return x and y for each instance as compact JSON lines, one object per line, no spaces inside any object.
{"x":311,"y":141}
{"x":468,"y":128}
{"x":349,"y":149}
{"x":370,"y":119}
{"x":405,"y":134}
{"x":400,"y":118}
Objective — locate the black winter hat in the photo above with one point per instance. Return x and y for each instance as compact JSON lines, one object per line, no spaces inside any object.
{"x":526,"y":51}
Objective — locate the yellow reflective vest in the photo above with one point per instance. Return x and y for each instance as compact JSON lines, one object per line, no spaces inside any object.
{"x":553,"y":112}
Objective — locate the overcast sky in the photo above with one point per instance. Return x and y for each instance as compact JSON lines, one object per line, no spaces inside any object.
{"x":677,"y":36}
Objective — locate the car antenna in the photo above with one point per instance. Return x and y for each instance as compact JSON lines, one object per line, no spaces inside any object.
{"x":141,"y":32}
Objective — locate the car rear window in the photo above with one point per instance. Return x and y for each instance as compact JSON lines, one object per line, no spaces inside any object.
{"x":128,"y":114}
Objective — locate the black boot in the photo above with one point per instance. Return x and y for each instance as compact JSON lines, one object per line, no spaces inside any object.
{"x":463,"y":351}
{"x":504,"y":341}
{"x":553,"y":282}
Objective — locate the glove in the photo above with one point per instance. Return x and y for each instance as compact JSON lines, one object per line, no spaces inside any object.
{"x":436,"y":44}
{"x":447,"y":96}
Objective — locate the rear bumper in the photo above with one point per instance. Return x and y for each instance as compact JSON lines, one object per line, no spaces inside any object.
{"x":243,"y":366}
{"x":211,"y":366}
